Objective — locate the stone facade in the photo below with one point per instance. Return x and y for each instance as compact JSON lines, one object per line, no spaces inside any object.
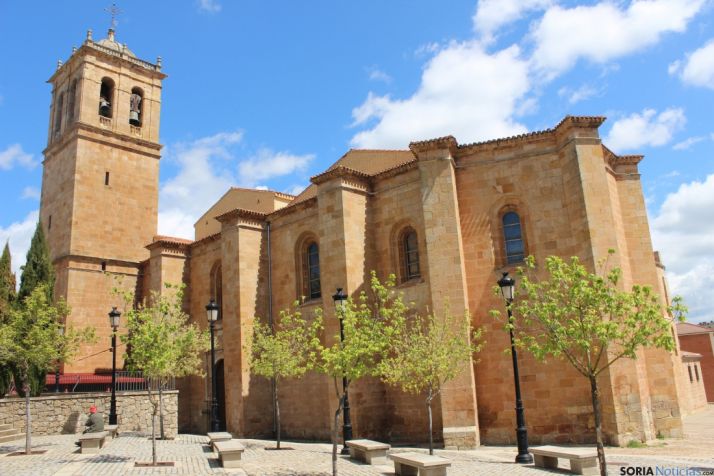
{"x":67,"y":412}
{"x":694,"y":396}
{"x":700,"y":340}
{"x":572,"y":197}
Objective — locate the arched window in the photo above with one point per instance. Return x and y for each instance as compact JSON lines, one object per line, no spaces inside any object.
{"x":408,"y":255}
{"x":136,"y":107}
{"x":217,"y":287}
{"x":72,"y":101}
{"x":513,"y":238}
{"x":106,"y":97}
{"x":311,"y":270}
{"x":59,"y":108}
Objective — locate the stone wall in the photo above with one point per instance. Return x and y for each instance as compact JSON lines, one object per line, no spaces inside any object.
{"x":66,"y":412}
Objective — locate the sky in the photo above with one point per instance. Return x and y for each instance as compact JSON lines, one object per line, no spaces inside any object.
{"x":267,"y":93}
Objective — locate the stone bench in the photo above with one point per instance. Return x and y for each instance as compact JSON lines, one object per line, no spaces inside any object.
{"x":368,"y":451}
{"x":411,"y":464}
{"x":113,"y":430}
{"x":91,"y":443}
{"x":229,"y":452}
{"x":218,"y":436}
{"x":582,"y":460}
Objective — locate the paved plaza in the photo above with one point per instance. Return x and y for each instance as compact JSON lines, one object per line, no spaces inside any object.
{"x":192,"y":456}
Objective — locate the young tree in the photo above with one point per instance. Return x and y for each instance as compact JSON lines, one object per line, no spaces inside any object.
{"x":588,"y":320}
{"x":38,"y":267}
{"x":368,"y":327}
{"x":288,"y":351}
{"x":427,"y":353}
{"x":163,"y":344}
{"x":7,"y":281}
{"x":31,"y":338}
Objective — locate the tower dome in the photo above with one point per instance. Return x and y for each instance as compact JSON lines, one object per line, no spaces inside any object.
{"x":110,"y":43}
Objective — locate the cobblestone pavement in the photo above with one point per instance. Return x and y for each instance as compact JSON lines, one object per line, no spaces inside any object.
{"x":192,"y":456}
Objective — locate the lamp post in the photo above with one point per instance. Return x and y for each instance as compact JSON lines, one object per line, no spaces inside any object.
{"x":507,"y":285}
{"x":60,"y":332}
{"x":212,"y":316}
{"x":340,"y":298}
{"x":114,"y":316}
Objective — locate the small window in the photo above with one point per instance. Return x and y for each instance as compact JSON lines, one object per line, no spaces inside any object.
{"x":311,"y":271}
{"x":106,"y":178}
{"x":136,"y":107}
{"x":104,"y":265}
{"x":59,"y":107}
{"x":513,"y":238}
{"x":409,"y":255}
{"x":72,"y":101}
{"x":49,"y":223}
{"x":696,"y":371}
{"x":106,"y":97}
{"x":689,"y":368}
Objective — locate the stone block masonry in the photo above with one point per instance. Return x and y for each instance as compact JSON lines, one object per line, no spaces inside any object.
{"x":66,"y":412}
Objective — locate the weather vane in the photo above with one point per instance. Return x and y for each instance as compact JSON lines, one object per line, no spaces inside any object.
{"x":114,"y":12}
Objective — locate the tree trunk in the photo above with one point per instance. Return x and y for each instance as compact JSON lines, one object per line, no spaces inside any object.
{"x":595,"y":393}
{"x":277,"y":412}
{"x":161,"y":412}
{"x":153,"y":428}
{"x":28,"y":420}
{"x":334,"y":435}
{"x":431,"y":432}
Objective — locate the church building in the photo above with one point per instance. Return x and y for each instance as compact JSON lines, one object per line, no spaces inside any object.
{"x":446,"y":218}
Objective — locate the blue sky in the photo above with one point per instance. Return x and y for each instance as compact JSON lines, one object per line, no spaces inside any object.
{"x":268,"y":93}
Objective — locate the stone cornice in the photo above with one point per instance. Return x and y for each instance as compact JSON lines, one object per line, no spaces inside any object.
{"x":447,"y":142}
{"x":242,"y":215}
{"x":80,"y":127}
{"x":342,"y":172}
{"x":170,"y":244}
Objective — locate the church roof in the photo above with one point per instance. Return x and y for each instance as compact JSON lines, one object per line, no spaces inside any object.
{"x":110,"y":43}
{"x":685,"y":328}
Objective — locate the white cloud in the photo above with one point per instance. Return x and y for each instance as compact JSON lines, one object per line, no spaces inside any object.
{"x":682,"y":231}
{"x":19,"y":234}
{"x":210,"y":6}
{"x":376,"y":74}
{"x":698,"y":67}
{"x":14,"y":155}
{"x":582,"y":93}
{"x":687,"y":143}
{"x":32,"y":193}
{"x":493,"y":14}
{"x":464,"y":91}
{"x":267,"y":164}
{"x":646,"y":129}
{"x":208,"y":167}
{"x":605,"y":31}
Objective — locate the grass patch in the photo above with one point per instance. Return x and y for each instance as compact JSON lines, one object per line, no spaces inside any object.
{"x":636,"y":444}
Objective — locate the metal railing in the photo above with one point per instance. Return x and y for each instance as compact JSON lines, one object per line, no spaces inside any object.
{"x":84,"y":383}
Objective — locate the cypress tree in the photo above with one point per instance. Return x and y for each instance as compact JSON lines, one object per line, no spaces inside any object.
{"x":38,"y":268}
{"x":7,"y":279}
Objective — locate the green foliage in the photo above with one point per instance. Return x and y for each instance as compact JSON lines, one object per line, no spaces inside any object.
{"x":36,"y":378}
{"x":586,"y":318}
{"x":430,"y":351}
{"x":636,"y":444}
{"x":162,"y":341}
{"x":7,"y":282}
{"x":38,"y":269}
{"x":5,"y":379}
{"x":370,"y":324}
{"x":290,"y":350}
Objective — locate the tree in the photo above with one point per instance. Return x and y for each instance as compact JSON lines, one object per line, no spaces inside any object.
{"x":31,"y":339}
{"x":38,"y":267}
{"x":288,"y":351}
{"x":588,"y":320}
{"x":163,"y":344}
{"x":7,"y":281}
{"x":427,"y":353}
{"x":368,"y":326}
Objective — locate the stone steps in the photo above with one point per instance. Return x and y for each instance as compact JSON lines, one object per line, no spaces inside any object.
{"x":8,"y":433}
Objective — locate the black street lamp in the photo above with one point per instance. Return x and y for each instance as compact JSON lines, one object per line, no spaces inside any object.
{"x":507,"y":286}
{"x":212,"y":316}
{"x":114,"y":316}
{"x":340,"y":298}
{"x":60,"y":332}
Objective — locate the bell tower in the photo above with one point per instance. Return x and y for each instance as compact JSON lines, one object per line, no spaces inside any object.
{"x":100,"y":180}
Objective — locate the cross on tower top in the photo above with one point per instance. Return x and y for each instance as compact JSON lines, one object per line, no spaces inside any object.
{"x":114,"y":12}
